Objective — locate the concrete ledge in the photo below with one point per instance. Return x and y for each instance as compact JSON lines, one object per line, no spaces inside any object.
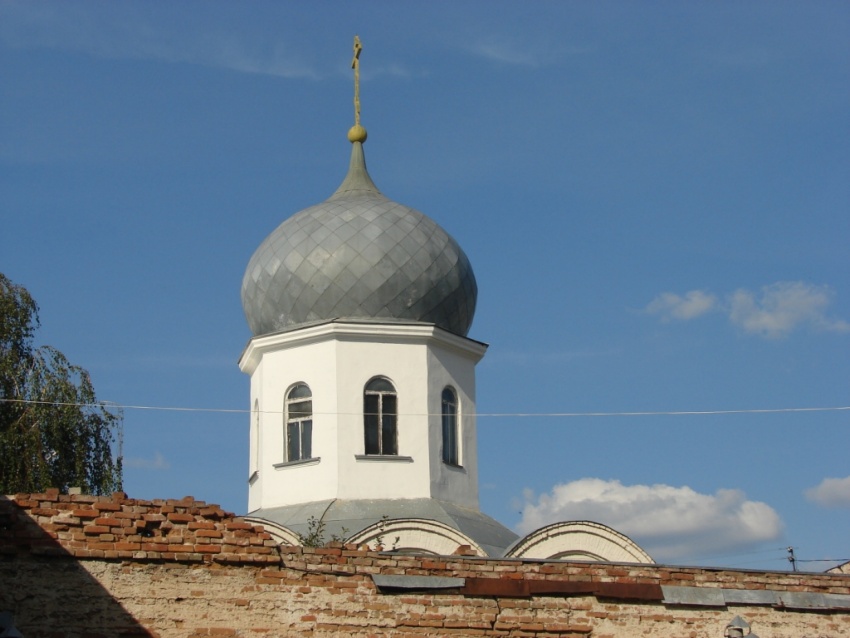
{"x":718,"y":597}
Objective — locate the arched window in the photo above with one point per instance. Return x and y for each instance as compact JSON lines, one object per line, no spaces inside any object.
{"x":299,"y":423}
{"x":380,"y":417}
{"x":450,"y":448}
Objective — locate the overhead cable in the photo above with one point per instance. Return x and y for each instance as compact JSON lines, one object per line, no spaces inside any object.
{"x":108,"y":404}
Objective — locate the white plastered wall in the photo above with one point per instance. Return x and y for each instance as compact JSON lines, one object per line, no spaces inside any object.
{"x":336,"y":360}
{"x":277,"y":370}
{"x":457,"y":484}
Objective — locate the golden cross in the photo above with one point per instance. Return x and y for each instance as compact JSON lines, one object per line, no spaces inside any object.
{"x":355,"y":64}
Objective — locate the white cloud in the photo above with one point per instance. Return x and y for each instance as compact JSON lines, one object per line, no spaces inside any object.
{"x":158,"y":462}
{"x":121,"y":30}
{"x":671,"y":306}
{"x":500,"y":50}
{"x":514,"y":51}
{"x":832,"y":492}
{"x":782,"y":307}
{"x":670,"y":523}
{"x":777,"y":311}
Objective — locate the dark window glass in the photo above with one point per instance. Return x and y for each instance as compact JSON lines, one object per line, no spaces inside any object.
{"x":380,"y":385}
{"x":299,"y":423}
{"x":389,"y":414}
{"x":300,"y":391}
{"x":307,"y":439}
{"x":300,"y":409}
{"x":293,"y":441}
{"x":380,"y":418}
{"x":370,"y":416}
{"x":450,"y":451}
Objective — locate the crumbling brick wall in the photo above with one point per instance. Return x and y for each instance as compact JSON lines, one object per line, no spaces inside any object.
{"x":114,"y":566}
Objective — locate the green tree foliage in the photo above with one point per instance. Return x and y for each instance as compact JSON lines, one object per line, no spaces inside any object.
{"x":53,"y":431}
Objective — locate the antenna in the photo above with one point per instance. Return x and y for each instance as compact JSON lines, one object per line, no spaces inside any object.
{"x":792,"y":559}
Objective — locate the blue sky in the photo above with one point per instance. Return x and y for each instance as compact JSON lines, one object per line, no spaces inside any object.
{"x":654,"y":198}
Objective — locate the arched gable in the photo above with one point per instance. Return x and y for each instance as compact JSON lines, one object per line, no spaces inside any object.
{"x":415,"y":535}
{"x":579,"y":540}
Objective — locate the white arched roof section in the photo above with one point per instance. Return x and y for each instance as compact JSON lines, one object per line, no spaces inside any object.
{"x":282,"y":535}
{"x":414,"y":536}
{"x":579,"y":540}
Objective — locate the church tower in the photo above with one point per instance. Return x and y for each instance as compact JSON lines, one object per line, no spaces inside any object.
{"x":362,"y":374}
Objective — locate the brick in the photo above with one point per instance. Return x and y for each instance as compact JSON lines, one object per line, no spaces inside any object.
{"x":154,"y":517}
{"x":44,"y":511}
{"x":155,"y":547}
{"x":207,"y":549}
{"x":86,"y":513}
{"x":107,"y":507}
{"x":178,"y":547}
{"x":208,"y":533}
{"x":570,"y":629}
{"x":107,"y":521}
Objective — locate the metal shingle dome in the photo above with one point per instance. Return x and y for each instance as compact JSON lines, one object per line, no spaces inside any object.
{"x":358,"y":255}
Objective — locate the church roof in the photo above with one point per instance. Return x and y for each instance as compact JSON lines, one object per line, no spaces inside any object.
{"x":358,"y":255}
{"x":344,"y":519}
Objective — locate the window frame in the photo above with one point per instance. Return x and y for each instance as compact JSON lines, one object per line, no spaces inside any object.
{"x":299,"y":423}
{"x":450,"y":426}
{"x":383,"y":428}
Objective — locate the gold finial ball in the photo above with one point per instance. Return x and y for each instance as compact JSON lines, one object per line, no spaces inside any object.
{"x":357,"y":134}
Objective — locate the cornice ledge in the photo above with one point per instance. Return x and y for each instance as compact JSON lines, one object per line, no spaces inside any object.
{"x":393,"y":332}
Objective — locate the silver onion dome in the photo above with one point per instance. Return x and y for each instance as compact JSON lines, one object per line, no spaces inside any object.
{"x":358,"y":255}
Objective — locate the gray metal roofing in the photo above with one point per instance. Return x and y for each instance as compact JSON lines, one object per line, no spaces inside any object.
{"x":345,"y":518}
{"x":716,"y":597}
{"x":358,"y":254}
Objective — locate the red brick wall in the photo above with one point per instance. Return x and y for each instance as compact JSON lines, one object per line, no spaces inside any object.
{"x":114,"y":566}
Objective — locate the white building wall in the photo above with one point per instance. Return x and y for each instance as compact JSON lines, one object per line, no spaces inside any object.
{"x":255,"y":478}
{"x":279,"y":370}
{"x":336,"y":360}
{"x":458,"y":484}
{"x":403,"y":364}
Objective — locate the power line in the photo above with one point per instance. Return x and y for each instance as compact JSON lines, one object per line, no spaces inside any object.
{"x":745,"y":553}
{"x":108,"y":404}
{"x":789,"y":556}
{"x":668,"y":413}
{"x":786,"y":558}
